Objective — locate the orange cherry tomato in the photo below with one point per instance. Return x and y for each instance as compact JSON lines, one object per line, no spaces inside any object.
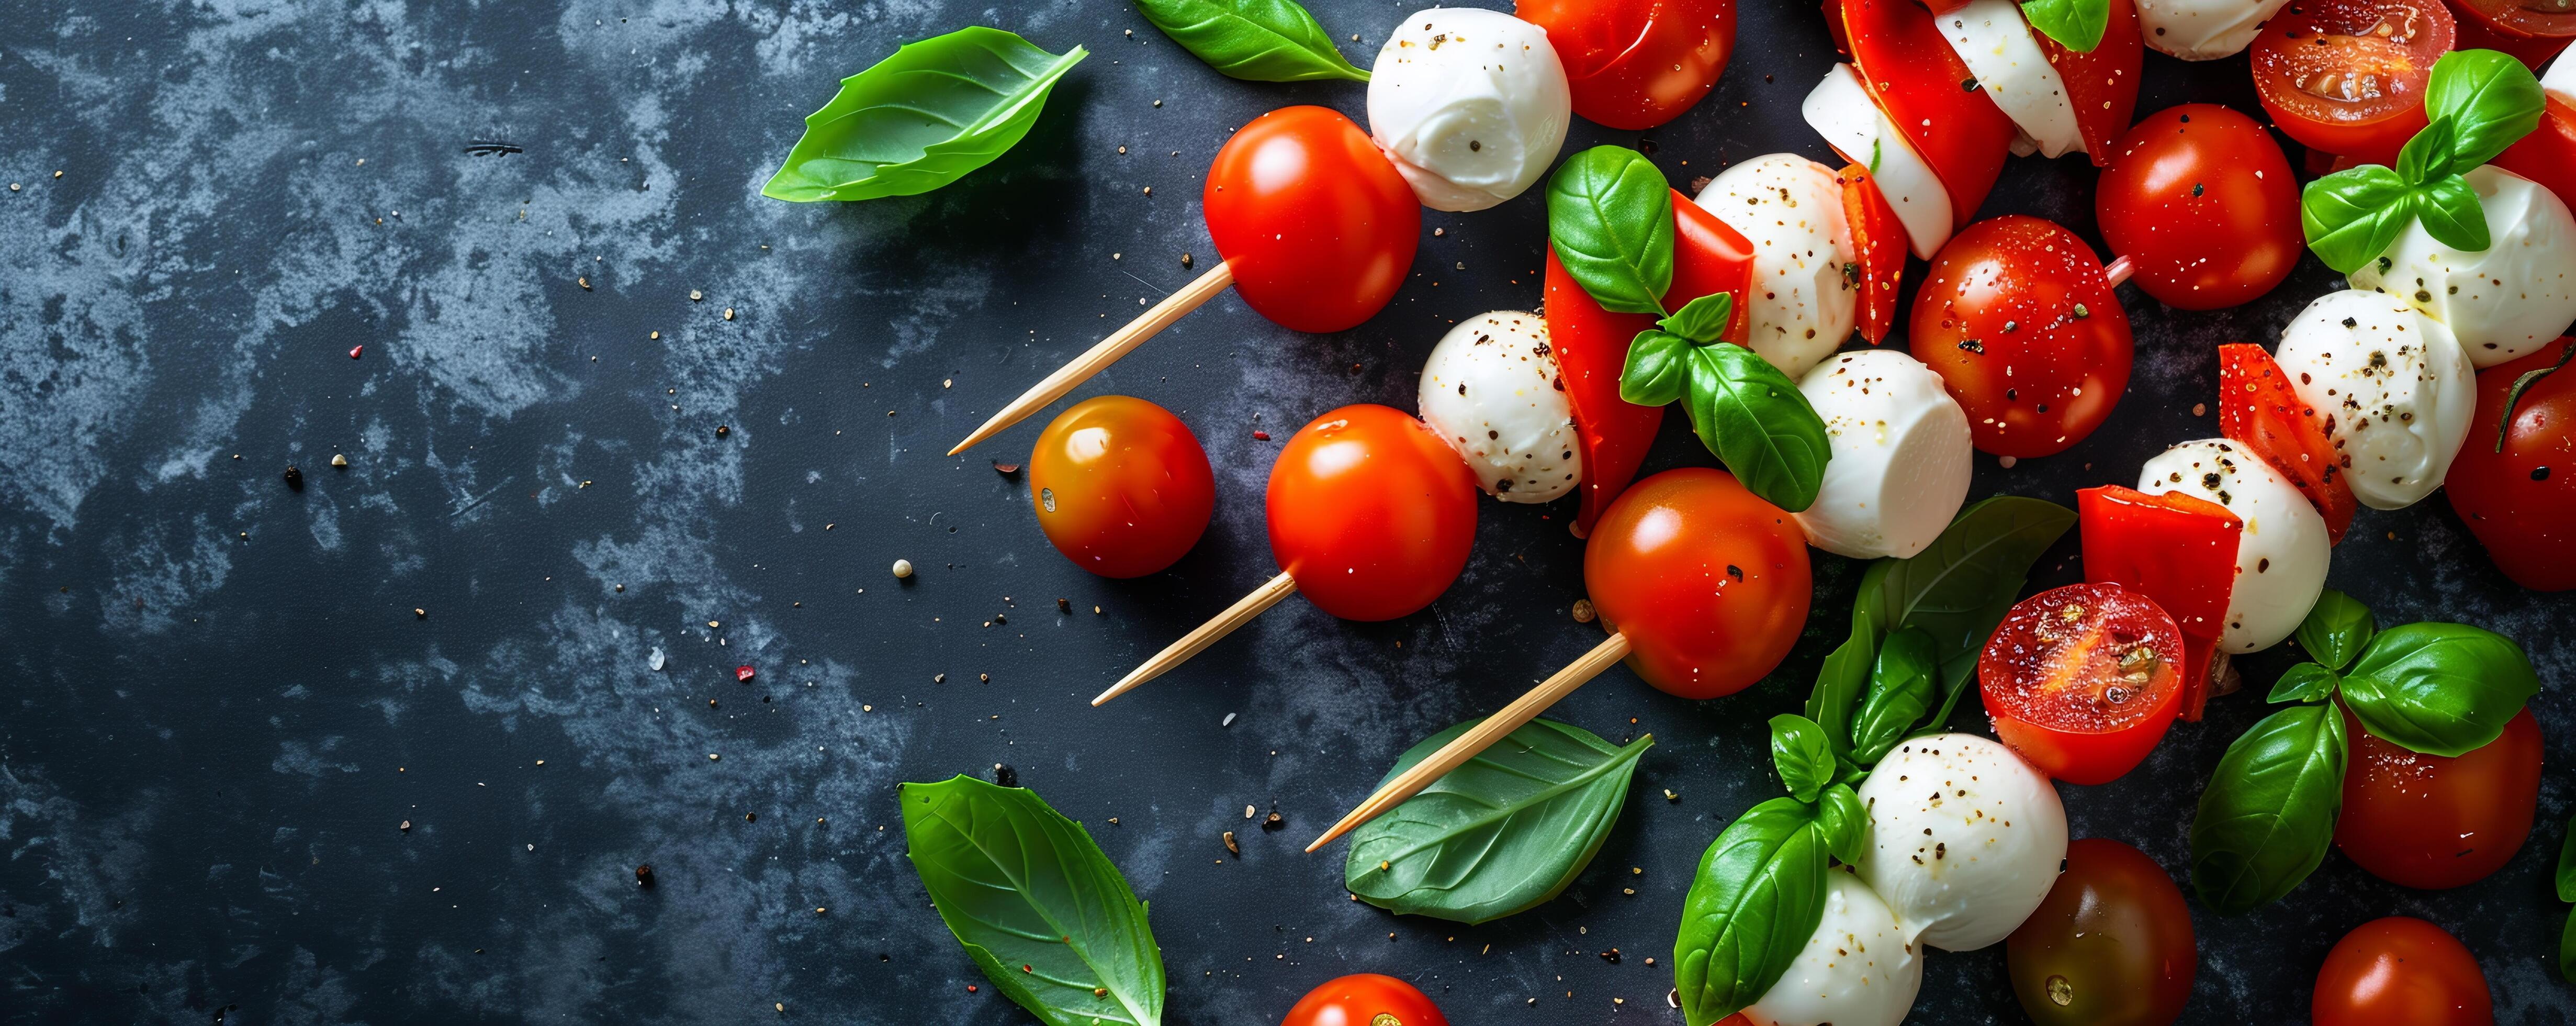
{"x":2111,"y":945}
{"x":2426,"y":821}
{"x":2521,"y":503}
{"x":2347,"y":76}
{"x":1371,"y":513}
{"x":2401,"y":970}
{"x":2548,"y":154}
{"x":1709,"y":583}
{"x":1878,"y":238}
{"x":1635,"y":64}
{"x":2202,"y":202}
{"x":2083,"y":680}
{"x":1317,"y":228}
{"x":2017,"y":319}
{"x":1121,"y":486}
{"x":2102,"y":83}
{"x":1364,"y":999}
{"x":2533,"y":31}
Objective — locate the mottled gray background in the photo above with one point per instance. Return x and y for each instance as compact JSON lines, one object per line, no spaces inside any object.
{"x":220,"y":707}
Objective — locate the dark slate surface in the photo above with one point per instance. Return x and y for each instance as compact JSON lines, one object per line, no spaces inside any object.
{"x":220,"y":706}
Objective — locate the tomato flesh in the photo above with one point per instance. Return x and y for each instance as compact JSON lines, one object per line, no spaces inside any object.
{"x":2203,"y":204}
{"x":2401,"y":970}
{"x":1371,"y":513}
{"x":1709,"y":583}
{"x":1635,"y":64}
{"x":2430,"y":822}
{"x":1364,"y":999}
{"x":1879,"y":240}
{"x":1317,"y":228}
{"x":2521,"y":503}
{"x":2258,"y":408}
{"x":2102,"y":83}
{"x":2177,"y":550}
{"x":2548,"y":154}
{"x":2083,"y":680}
{"x":1121,"y":486}
{"x":1923,"y":86}
{"x":2347,"y":76}
{"x":2111,"y":945}
{"x":2017,"y":319}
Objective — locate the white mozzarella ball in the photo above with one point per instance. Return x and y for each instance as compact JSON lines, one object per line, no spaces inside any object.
{"x":1470,"y":105}
{"x":1841,"y":109}
{"x":1493,"y":392}
{"x":1965,"y":839}
{"x":2513,"y":298}
{"x":1858,"y":968}
{"x":1902,"y":455}
{"x":1996,"y":44}
{"x":2282,"y":553}
{"x":2203,"y":30}
{"x":2393,"y":385}
{"x":1800,"y":306}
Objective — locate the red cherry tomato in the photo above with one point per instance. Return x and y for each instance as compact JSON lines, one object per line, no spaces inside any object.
{"x":2347,"y":76}
{"x":1316,"y":226}
{"x":2102,"y":83}
{"x":1371,"y":513}
{"x":2179,"y":551}
{"x":2521,"y":503}
{"x":1635,"y":64}
{"x":2548,"y":154}
{"x":2426,"y":821}
{"x":1121,"y":486}
{"x":1364,"y":999}
{"x":1709,"y":583}
{"x":2401,"y":970}
{"x":2111,"y":945}
{"x":2083,"y":680}
{"x":2258,"y":408}
{"x":2016,"y":318}
{"x":1878,"y":238}
{"x":1916,"y":79}
{"x":2201,"y":201}
{"x":2533,"y":32}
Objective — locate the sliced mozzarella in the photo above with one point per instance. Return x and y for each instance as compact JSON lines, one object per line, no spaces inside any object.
{"x":1842,"y":110}
{"x":1901,"y":455}
{"x":2203,"y":30}
{"x":1992,"y":38}
{"x":2517,"y":295}
{"x":1493,"y":392}
{"x":1801,"y":305}
{"x":1858,"y":968}
{"x":1470,"y":105}
{"x":2559,"y":81}
{"x":2281,"y":556}
{"x":1965,"y":839}
{"x":2393,"y":385}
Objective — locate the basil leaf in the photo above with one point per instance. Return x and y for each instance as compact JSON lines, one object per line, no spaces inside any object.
{"x":1010,"y":877}
{"x":1845,"y":822}
{"x":2567,"y":948}
{"x":2439,"y":688}
{"x":2336,"y":629}
{"x":1503,"y":833}
{"x":1841,"y":681}
{"x":2427,"y":156}
{"x":2350,"y":217}
{"x":1960,"y":588}
{"x":2268,"y":814}
{"x":1901,"y":688}
{"x":1758,"y":895}
{"x":2449,"y":211}
{"x":1610,"y":217}
{"x":922,"y":118}
{"x":1758,"y":423}
{"x":1255,"y":40}
{"x":2075,"y":24}
{"x":1658,"y":368}
{"x":1800,"y":753}
{"x":2492,"y":97}
{"x":2306,"y":682}
{"x":1701,"y":320}
{"x":2567,"y":864}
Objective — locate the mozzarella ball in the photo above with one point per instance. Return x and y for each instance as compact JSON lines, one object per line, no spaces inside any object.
{"x":1901,"y":455}
{"x":1800,"y":305}
{"x":2393,"y":385}
{"x":2514,"y":297}
{"x":1842,"y":110}
{"x":1493,"y":392}
{"x":1470,"y":105}
{"x":2203,"y":30}
{"x":1965,"y":839}
{"x":1858,"y":968}
{"x":2280,"y":557}
{"x":1991,"y":37}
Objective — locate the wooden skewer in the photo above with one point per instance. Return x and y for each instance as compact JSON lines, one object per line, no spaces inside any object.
{"x":2119,"y":271}
{"x":1457,"y":752}
{"x":1100,"y":356}
{"x":1236,"y":615}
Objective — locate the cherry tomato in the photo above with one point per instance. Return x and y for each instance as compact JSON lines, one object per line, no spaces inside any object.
{"x":2258,"y":408}
{"x":2102,"y":83}
{"x":2179,"y":551}
{"x":2401,"y":969}
{"x":1635,"y":64}
{"x":2201,"y":201}
{"x":1916,"y":79}
{"x":2426,"y":821}
{"x":1121,"y":486}
{"x":1709,"y":583}
{"x":2521,"y":503}
{"x":2548,"y":154}
{"x":2017,"y":319}
{"x":1364,"y":999}
{"x":1317,"y":228}
{"x":2083,"y":680}
{"x":2347,"y":76}
{"x":1879,"y":240}
{"x":2111,"y":945}
{"x":1371,"y":513}
{"x":2533,"y":31}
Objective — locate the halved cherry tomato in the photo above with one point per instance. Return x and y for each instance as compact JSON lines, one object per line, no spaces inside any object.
{"x":2017,"y":319}
{"x":2102,"y":83}
{"x":2347,"y":76}
{"x":1709,"y":582}
{"x":2179,"y":551}
{"x":2401,"y":970}
{"x":2111,"y":945}
{"x":2533,"y":31}
{"x":1929,"y":93}
{"x":1879,"y":240}
{"x":1635,"y":64}
{"x":1364,"y":999}
{"x":1121,"y":486}
{"x":2426,"y":821}
{"x":1317,"y":228}
{"x":2083,"y":680}
{"x":2202,"y":202}
{"x":2521,"y":503}
{"x":1371,"y":513}
{"x":2258,"y":408}
{"x":2548,"y":154}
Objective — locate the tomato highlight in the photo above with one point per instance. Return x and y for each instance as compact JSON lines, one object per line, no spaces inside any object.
{"x":1121,"y":486}
{"x":1635,"y":64}
{"x":2204,"y":205}
{"x":2018,"y":320}
{"x":2347,"y":76}
{"x":2111,"y":945}
{"x":2083,"y":680}
{"x":2401,"y":970}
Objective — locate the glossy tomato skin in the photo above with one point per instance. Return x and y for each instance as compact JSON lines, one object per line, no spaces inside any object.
{"x":1915,"y":77}
{"x":2521,"y":503}
{"x":2102,"y":83}
{"x":2259,"y":409}
{"x":2532,"y":33}
{"x":1371,"y":513}
{"x":1317,"y":228}
{"x":1361,"y":999}
{"x":2204,"y":205}
{"x":2111,"y":945}
{"x":1121,"y":486}
{"x":2401,"y":970}
{"x":1709,"y":583}
{"x":2548,"y":154}
{"x":2179,"y":551}
{"x":2429,"y":822}
{"x":1635,"y":64}
{"x":2017,"y":319}
{"x":2311,"y":60}
{"x":2083,"y":680}
{"x":1878,"y":239}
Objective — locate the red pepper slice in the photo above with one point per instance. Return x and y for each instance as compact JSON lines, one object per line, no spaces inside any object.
{"x":2177,"y":549}
{"x":2548,"y":154}
{"x":2258,"y":408}
{"x":1879,"y":239}
{"x":2102,"y":83}
{"x":1931,"y":96}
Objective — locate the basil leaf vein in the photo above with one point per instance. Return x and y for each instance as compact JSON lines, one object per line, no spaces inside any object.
{"x":1845,"y":822}
{"x":1757,"y":897}
{"x":2306,"y":682}
{"x":2439,"y":688}
{"x":1703,"y":319}
{"x":2075,"y":24}
{"x":2336,"y":629}
{"x":1610,"y":218}
{"x":923,"y":118}
{"x":2448,"y":209}
{"x":2352,"y":216}
{"x":1658,"y":368}
{"x":2268,"y":814}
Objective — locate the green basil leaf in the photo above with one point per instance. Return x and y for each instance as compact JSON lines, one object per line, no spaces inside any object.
{"x":2350,"y":217}
{"x":2492,"y":97}
{"x":2427,"y":156}
{"x":1254,"y":40}
{"x":1845,"y":822}
{"x":1758,"y":895}
{"x":1041,"y":911}
{"x":2336,"y":629}
{"x":1901,"y":690}
{"x":1960,"y":588}
{"x":2449,"y":211}
{"x":1841,"y":682}
{"x":1799,"y":750}
{"x":2567,"y":864}
{"x":1503,"y":833}
{"x":1758,"y":423}
{"x":1701,"y":320}
{"x":922,"y":118}
{"x":2268,"y":815}
{"x":1658,"y":368}
{"x":2439,"y":688}
{"x":2075,"y":24}
{"x":1610,"y":218}
{"x":2306,"y":682}
{"x":2567,"y":948}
